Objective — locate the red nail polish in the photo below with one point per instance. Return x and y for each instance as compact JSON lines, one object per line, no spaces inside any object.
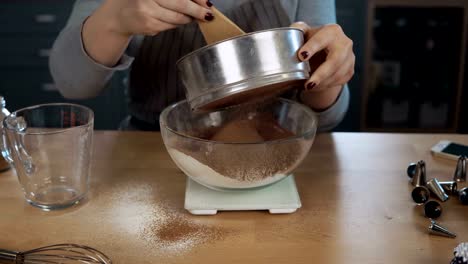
{"x":209,"y":4}
{"x":305,"y":54}
{"x":311,"y":86}
{"x":209,"y":17}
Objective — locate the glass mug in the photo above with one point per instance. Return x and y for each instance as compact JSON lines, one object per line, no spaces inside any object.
{"x":50,"y":147}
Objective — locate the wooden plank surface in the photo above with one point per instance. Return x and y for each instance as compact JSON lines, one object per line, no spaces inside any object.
{"x":354,"y":191}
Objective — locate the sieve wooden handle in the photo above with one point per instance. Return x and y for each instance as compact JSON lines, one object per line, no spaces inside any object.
{"x":220,"y":28}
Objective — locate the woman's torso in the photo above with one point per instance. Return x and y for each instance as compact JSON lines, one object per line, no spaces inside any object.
{"x":153,"y":78}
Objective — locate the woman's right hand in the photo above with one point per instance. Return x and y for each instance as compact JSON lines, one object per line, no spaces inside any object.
{"x":107,"y":32}
{"x":149,"y":17}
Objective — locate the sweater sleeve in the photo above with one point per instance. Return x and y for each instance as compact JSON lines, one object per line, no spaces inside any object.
{"x":77,"y":75}
{"x":331,"y":117}
{"x":317,"y":13}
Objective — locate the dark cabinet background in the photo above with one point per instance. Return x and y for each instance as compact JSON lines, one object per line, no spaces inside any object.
{"x":352,"y":16}
{"x":29,"y":27}
{"x":414,"y":66}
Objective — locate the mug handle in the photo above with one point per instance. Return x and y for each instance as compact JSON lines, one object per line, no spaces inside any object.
{"x":24,"y":156}
{"x":4,"y":145}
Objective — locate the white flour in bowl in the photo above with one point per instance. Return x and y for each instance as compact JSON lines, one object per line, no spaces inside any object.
{"x":207,"y":175}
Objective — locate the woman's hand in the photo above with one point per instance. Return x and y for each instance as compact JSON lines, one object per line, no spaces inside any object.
{"x":331,"y":57}
{"x":149,"y":17}
{"x":107,"y":32}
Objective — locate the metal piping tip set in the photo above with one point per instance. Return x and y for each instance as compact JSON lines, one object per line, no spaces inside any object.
{"x":436,"y":229}
{"x":424,"y":189}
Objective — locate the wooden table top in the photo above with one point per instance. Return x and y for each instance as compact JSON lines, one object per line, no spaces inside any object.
{"x":356,"y":208}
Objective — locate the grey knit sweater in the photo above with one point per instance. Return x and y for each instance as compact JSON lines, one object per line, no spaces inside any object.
{"x":155,"y":84}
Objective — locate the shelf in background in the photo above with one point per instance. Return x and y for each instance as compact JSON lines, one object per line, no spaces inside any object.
{"x":414,"y":65}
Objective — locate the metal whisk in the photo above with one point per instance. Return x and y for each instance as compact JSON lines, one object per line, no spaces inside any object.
{"x":55,"y":254}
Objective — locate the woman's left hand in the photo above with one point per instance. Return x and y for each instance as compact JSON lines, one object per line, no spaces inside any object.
{"x":331,"y":56}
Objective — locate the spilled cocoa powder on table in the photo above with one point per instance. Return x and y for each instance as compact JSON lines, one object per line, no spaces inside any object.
{"x":177,"y":232}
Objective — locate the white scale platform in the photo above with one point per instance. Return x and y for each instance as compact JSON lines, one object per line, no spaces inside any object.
{"x":279,"y":198}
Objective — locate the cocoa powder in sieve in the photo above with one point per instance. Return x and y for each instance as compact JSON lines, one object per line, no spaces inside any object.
{"x":255,"y":96}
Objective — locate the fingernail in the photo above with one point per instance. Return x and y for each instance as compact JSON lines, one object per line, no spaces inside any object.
{"x":209,"y":17}
{"x":209,"y":4}
{"x":305,"y":54}
{"x":311,"y":86}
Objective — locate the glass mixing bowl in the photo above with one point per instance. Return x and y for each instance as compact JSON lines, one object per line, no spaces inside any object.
{"x":229,"y":165}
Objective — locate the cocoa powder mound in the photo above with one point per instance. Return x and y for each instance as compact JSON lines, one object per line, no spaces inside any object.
{"x":238,"y":131}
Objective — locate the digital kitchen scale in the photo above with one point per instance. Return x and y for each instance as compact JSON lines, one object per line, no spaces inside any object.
{"x":279,"y":198}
